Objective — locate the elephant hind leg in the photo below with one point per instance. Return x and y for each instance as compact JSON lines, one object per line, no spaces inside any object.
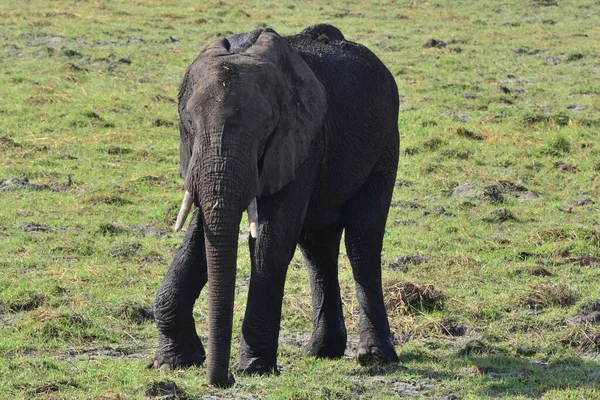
{"x":179,"y":345}
{"x":364,"y":221}
{"x":321,"y":249}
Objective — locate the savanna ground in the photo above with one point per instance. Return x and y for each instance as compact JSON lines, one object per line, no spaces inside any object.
{"x":496,"y":205}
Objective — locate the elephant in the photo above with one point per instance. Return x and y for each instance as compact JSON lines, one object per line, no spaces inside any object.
{"x":301,"y":132}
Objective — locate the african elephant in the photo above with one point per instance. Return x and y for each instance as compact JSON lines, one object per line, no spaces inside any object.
{"x":300,"y":131}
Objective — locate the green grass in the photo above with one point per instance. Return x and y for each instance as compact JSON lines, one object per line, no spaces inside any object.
{"x":90,"y":191}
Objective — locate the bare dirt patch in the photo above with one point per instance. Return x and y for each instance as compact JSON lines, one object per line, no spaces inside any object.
{"x":164,"y":390}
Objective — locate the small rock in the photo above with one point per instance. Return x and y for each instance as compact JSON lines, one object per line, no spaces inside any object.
{"x":466,"y":190}
{"x":576,"y":107}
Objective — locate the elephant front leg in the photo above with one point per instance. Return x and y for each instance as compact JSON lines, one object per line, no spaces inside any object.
{"x":179,"y":345}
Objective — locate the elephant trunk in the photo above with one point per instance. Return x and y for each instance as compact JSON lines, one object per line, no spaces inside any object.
{"x":222,"y":227}
{"x":225,"y":190}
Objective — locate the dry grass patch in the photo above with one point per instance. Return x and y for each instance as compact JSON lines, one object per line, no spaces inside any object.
{"x":403,"y":296}
{"x":583,"y":337}
{"x":549,"y":294}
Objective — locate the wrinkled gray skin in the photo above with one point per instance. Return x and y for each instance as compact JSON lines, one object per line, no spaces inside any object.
{"x":307,"y":125}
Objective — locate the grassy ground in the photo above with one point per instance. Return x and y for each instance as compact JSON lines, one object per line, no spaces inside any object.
{"x":496,"y":206}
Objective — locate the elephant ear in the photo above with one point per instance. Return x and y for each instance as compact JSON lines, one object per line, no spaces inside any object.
{"x":302,"y":103}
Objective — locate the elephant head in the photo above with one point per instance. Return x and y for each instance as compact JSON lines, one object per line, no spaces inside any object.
{"x":249,"y":109}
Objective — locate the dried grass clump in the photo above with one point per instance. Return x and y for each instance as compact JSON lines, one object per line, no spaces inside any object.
{"x":548,"y":295}
{"x":401,"y":296}
{"x":583,"y":338}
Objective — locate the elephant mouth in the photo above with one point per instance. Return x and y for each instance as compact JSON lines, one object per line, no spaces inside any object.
{"x":188,"y":201}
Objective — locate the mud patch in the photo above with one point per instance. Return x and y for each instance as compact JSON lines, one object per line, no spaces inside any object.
{"x":100,"y":353}
{"x":402,"y":389}
{"x":589,"y":314}
{"x":11,"y":184}
{"x":165,"y":390}
{"x":403,"y":296}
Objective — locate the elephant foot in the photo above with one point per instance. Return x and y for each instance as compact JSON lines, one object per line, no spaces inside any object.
{"x":376,"y":350}
{"x":257,"y":366}
{"x":225,"y":384}
{"x":329,"y":344}
{"x":182,"y":352}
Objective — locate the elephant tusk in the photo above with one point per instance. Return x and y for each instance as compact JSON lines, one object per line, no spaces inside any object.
{"x":186,"y":205}
{"x":253,"y":218}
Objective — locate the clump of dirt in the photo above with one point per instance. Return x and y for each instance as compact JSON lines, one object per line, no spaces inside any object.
{"x":110,"y":229}
{"x":136,"y":313}
{"x":584,"y":202}
{"x":564,"y":167}
{"x":434,"y":43}
{"x":501,"y":215}
{"x":493,"y":194}
{"x":161,"y":122}
{"x":540,"y":271}
{"x":8,"y":143}
{"x":116,"y":150}
{"x":466,"y":190}
{"x":407,"y":295}
{"x":549,"y":294}
{"x":24,"y":302}
{"x":165,"y":390}
{"x":401,"y":263}
{"x":589,"y":314}
{"x":464,"y":132}
{"x":584,"y":260}
{"x":437,"y":210}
